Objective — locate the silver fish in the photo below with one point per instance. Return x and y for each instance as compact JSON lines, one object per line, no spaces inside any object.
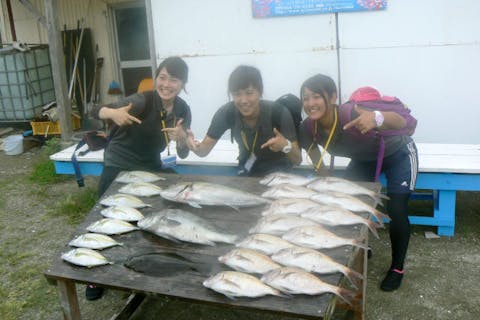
{"x":85,"y":258}
{"x":276,"y":178}
{"x":122,"y":213}
{"x":176,"y":224}
{"x":348,"y":202}
{"x":298,"y":281}
{"x":111,"y":226}
{"x":94,"y":241}
{"x":238,"y":284}
{"x":137,"y":176}
{"x":141,"y":189}
{"x":336,"y":216}
{"x":248,"y":260}
{"x":317,"y":237}
{"x":124,"y":200}
{"x":314,"y":261}
{"x":288,"y":191}
{"x":344,"y":186}
{"x":289,"y":206}
{"x":197,"y":194}
{"x":279,"y":224}
{"x":265,"y":243}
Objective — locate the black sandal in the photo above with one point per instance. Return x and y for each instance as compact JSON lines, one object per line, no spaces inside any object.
{"x":93,"y":293}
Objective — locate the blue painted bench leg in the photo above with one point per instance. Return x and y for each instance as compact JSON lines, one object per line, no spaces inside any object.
{"x":444,"y":212}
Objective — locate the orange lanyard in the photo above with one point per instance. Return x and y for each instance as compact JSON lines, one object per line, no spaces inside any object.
{"x":245,"y":143}
{"x":164,"y":126}
{"x":332,"y":131}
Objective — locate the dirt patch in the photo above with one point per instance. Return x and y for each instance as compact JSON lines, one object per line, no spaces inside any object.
{"x":440,"y":282}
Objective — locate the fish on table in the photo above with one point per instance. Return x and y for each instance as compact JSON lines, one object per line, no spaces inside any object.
{"x":286,"y":190}
{"x":289,"y":206}
{"x":137,"y":176}
{"x":197,"y":194}
{"x":122,"y":213}
{"x":348,"y":202}
{"x":345,"y":186}
{"x":276,"y":178}
{"x":237,"y":284}
{"x":248,"y":260}
{"x":111,"y":226}
{"x":314,"y":261}
{"x":85,"y":258}
{"x":266,"y":243}
{"x":94,"y":241}
{"x":280,"y":223}
{"x":177,"y":224}
{"x":332,"y":215}
{"x":124,"y":200}
{"x":141,"y":189}
{"x":297,"y":281}
{"x":317,"y":237}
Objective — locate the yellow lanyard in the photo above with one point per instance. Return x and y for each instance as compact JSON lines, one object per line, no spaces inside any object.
{"x":164,"y":126}
{"x":245,"y":143}
{"x":332,"y":131}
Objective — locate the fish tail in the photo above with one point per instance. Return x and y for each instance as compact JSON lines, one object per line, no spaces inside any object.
{"x":346,"y":295}
{"x":381,"y":217}
{"x":359,"y":244}
{"x":373,"y":228}
{"x":353,"y":276}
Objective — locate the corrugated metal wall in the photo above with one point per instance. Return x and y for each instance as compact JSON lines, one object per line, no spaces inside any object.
{"x":96,"y":17}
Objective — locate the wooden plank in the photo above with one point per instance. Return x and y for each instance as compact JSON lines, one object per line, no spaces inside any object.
{"x":133,"y":302}
{"x":68,"y":300}
{"x":188,"y":285}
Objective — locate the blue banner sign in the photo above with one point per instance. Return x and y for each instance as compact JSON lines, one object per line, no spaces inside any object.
{"x":278,"y":8}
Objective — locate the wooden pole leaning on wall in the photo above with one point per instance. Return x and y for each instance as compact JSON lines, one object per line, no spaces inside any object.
{"x":58,"y":69}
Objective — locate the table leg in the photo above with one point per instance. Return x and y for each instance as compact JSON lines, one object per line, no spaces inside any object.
{"x":444,"y":211}
{"x":68,"y":300}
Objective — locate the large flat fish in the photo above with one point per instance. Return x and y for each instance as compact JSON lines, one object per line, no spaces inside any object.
{"x":94,"y":241}
{"x":345,"y":186}
{"x":176,"y":224}
{"x":165,"y":264}
{"x":286,"y":190}
{"x":331,"y":215}
{"x":348,"y":202}
{"x":266,"y":243}
{"x":317,"y":237}
{"x":297,"y":281}
{"x":141,"y":189}
{"x":238,"y":284}
{"x":314,"y":261}
{"x":85,"y":258}
{"x":248,"y":260}
{"x":123,"y":200}
{"x":197,"y":194}
{"x":137,"y":176}
{"x":276,"y":178}
{"x":111,"y":226}
{"x":289,"y":206}
{"x":280,"y":223}
{"x":122,"y":213}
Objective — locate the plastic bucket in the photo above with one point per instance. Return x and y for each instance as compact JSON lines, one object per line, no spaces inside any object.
{"x":13,"y":145}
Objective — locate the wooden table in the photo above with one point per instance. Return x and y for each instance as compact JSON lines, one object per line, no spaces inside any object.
{"x":188,"y":285}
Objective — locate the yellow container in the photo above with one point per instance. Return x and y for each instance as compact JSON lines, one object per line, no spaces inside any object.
{"x":49,"y":127}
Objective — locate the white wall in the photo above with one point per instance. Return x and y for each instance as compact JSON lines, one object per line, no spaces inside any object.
{"x":425,"y":52}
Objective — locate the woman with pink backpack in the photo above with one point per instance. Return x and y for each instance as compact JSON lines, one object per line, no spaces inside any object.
{"x":374,"y":132}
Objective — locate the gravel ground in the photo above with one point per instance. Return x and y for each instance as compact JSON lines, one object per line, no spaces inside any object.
{"x":441,"y":280}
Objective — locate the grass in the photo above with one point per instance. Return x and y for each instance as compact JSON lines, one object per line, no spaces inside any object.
{"x":76,"y":206}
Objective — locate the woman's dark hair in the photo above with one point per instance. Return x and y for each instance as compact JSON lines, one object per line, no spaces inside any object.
{"x":320,"y":84}
{"x":243,"y":77}
{"x":176,"y":67}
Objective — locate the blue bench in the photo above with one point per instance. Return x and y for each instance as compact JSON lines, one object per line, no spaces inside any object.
{"x":444,"y":169}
